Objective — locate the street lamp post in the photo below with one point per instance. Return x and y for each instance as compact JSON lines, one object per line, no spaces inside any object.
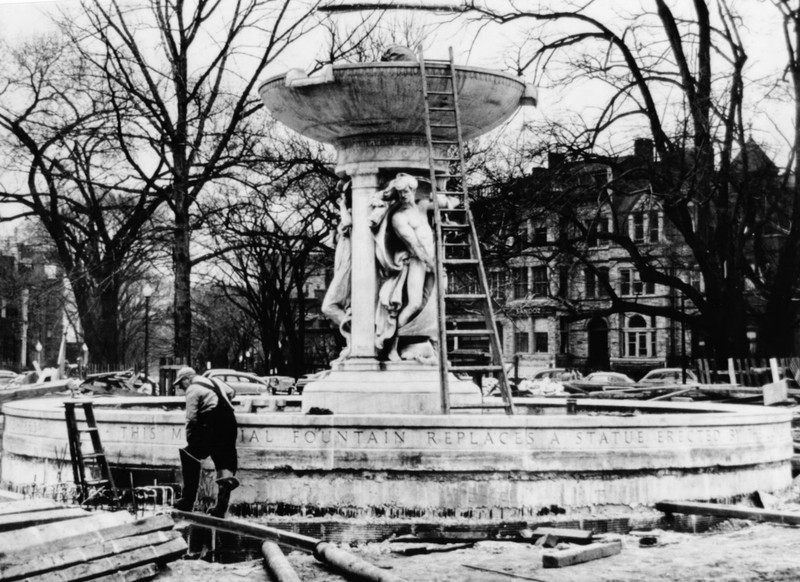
{"x":147,"y":291}
{"x":39,"y":353}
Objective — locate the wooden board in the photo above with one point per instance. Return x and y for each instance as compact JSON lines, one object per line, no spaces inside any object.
{"x":16,"y":521}
{"x":146,"y":572}
{"x":569,"y":557}
{"x":102,"y":530}
{"x":21,"y":539}
{"x":578,"y":536}
{"x":159,"y":554}
{"x":720,"y":510}
{"x":41,"y":563}
{"x":26,"y":505}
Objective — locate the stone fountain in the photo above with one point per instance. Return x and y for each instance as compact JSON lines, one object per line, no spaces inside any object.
{"x":374,"y":115}
{"x":385,"y":450}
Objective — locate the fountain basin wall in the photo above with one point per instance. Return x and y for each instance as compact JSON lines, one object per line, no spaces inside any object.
{"x":472,"y":464}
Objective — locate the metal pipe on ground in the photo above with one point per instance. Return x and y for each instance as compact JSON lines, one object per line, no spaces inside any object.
{"x":324,"y":551}
{"x":278,"y":566}
{"x":329,"y":554}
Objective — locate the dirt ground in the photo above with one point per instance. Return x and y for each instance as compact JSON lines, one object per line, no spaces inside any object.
{"x":733,"y":551}
{"x":737,"y":551}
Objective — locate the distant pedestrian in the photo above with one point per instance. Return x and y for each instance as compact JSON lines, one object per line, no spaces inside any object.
{"x":211,"y":431}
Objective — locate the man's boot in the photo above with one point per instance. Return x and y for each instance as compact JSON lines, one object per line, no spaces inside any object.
{"x":226,"y":483}
{"x":190,"y":467}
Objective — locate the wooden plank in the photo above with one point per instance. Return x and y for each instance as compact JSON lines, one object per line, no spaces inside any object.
{"x":146,"y":572}
{"x":111,"y":528}
{"x":39,"y":564}
{"x":578,"y":536}
{"x":23,"y":520}
{"x":719,"y":510}
{"x":22,"y":539}
{"x":26,"y":505}
{"x":159,"y":554}
{"x":569,"y":557}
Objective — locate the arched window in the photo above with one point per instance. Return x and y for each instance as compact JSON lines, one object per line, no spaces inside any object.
{"x":640,"y":338}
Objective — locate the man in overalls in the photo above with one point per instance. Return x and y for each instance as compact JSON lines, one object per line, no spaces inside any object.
{"x":211,"y":431}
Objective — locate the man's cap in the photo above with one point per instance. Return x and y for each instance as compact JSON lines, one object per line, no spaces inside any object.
{"x":184,"y":373}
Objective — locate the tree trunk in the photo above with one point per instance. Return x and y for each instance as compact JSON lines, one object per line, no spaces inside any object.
{"x":181,"y":259}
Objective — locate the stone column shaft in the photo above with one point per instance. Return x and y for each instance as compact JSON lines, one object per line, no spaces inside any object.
{"x":362,"y":340}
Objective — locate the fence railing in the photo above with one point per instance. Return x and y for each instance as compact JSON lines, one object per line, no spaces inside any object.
{"x":747,"y":371}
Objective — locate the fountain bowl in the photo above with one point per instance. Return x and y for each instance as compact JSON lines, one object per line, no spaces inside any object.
{"x":350,"y":100}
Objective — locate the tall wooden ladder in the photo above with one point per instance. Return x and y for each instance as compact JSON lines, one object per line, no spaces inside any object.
{"x":465,"y":345}
{"x":104,"y":486}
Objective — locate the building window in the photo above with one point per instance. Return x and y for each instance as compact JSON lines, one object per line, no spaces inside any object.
{"x":540,"y":336}
{"x":654,"y":227}
{"x":3,"y":308}
{"x":497,"y":284}
{"x":522,"y":240}
{"x":630,"y":284}
{"x":520,"y":280}
{"x":521,"y":343}
{"x":589,"y":284}
{"x":596,"y":282}
{"x":563,"y":282}
{"x":603,"y":282}
{"x":638,"y":227}
{"x":639,"y":338}
{"x":539,"y":235}
{"x":600,"y":226}
{"x":541,"y":286}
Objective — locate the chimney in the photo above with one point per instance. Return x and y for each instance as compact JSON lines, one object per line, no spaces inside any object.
{"x":643,"y":149}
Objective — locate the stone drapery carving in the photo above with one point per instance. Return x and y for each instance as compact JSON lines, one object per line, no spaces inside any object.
{"x":404,"y":249}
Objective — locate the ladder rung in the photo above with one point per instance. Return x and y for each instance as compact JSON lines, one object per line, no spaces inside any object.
{"x":447,"y":125}
{"x":460,"y":261}
{"x":98,"y":482}
{"x":88,"y":429}
{"x":476,"y":368}
{"x":457,"y":244}
{"x":454,"y":226}
{"x":442,"y":109}
{"x":440,"y":92}
{"x":469,"y":332}
{"x":94,"y":455}
{"x":465,"y":296}
{"x":469,"y":354}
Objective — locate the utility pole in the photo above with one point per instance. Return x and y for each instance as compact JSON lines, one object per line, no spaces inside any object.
{"x":23,"y":353}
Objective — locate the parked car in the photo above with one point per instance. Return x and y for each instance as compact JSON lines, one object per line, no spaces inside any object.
{"x":546,"y":381}
{"x":6,"y":376}
{"x":279,"y":384}
{"x":668,"y":377}
{"x":306,"y":378}
{"x":600,"y":381}
{"x":243,"y":383}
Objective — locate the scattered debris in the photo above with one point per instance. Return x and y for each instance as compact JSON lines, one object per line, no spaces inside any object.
{"x":432,"y":549}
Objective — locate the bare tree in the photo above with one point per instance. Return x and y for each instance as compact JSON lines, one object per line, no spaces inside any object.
{"x":682,"y":76}
{"x":190,"y":70}
{"x":61,"y":170}
{"x":276,"y":241}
